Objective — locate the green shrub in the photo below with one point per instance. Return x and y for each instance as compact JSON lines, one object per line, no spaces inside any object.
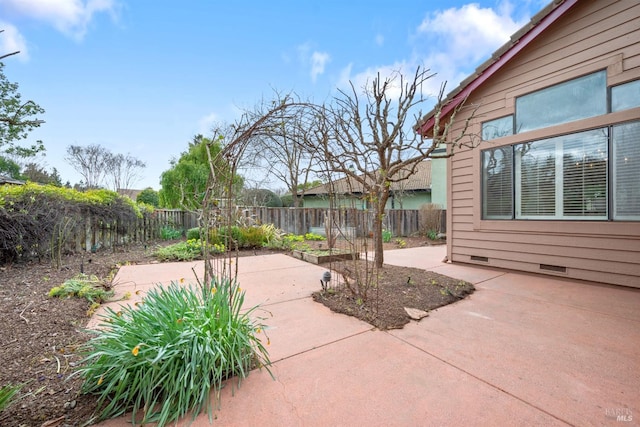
{"x":186,"y":251}
{"x":270,"y":233}
{"x":432,"y":235}
{"x":7,"y":395}
{"x":386,"y":236}
{"x":193,"y":233}
{"x":314,"y":236}
{"x":148,"y":196}
{"x":83,"y":286}
{"x":169,"y":233}
{"x":252,"y":237}
{"x":163,"y":358}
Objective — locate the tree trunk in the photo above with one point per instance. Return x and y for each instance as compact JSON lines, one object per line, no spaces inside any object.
{"x":380,"y":203}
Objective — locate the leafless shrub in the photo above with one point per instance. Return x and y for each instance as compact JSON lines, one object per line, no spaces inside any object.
{"x":429,"y":219}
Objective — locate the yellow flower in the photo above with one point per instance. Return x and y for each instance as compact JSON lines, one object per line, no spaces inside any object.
{"x":135,"y":350}
{"x":100,"y":380}
{"x":182,"y":280}
{"x":258,"y":330}
{"x":119,"y":314}
{"x":214,"y":290}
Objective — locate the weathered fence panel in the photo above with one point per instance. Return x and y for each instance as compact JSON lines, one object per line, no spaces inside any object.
{"x":91,"y":235}
{"x":301,"y":220}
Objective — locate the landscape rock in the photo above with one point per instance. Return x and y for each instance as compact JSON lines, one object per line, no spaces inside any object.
{"x":416,"y":314}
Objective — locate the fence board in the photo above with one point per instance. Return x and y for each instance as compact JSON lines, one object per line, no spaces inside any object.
{"x":91,"y":235}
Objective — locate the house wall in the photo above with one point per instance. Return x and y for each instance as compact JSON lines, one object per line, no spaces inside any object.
{"x":439,"y":186}
{"x":312,"y":201}
{"x":408,"y":200}
{"x":591,"y":36}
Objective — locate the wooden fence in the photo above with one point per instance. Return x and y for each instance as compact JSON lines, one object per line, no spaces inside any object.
{"x":92,"y":235}
{"x":302,"y":220}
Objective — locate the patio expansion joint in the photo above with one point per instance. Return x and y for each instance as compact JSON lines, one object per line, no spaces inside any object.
{"x":273,"y":303}
{"x":325,"y":344}
{"x":472,"y":375}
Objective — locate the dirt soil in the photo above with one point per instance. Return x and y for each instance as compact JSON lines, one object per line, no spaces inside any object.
{"x":41,"y":334}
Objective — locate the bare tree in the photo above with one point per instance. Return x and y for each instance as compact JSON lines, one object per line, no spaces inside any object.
{"x":283,"y":151}
{"x":367,"y":138}
{"x":90,"y":162}
{"x":123,"y":171}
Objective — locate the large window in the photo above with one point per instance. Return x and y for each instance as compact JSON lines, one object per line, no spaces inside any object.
{"x":497,"y":128}
{"x":497,"y":183}
{"x":626,"y":171}
{"x":565,"y":177}
{"x":565,"y":102}
{"x":625,"y":96}
{"x":592,"y":174}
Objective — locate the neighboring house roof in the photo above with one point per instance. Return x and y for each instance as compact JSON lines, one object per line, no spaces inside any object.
{"x":8,"y":180}
{"x":525,"y":35}
{"x":133,"y":194}
{"x":419,"y":181}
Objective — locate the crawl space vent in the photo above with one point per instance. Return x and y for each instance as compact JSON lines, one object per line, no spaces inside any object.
{"x":556,"y":268}
{"x":479,"y":258}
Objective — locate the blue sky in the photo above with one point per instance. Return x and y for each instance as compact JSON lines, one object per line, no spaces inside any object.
{"x":144,"y":76}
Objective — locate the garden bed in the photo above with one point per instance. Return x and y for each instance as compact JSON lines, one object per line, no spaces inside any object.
{"x":325,"y":256}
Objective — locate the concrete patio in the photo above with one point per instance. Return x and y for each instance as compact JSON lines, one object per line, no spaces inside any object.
{"x":522,"y":350}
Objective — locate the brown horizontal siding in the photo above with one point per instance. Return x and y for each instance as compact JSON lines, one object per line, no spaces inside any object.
{"x":593,"y":35}
{"x":573,"y":43}
{"x":461,"y":203}
{"x":564,"y":241}
{"x":631,"y":62}
{"x":569,"y":262}
{"x":569,"y":249}
{"x":587,"y":275}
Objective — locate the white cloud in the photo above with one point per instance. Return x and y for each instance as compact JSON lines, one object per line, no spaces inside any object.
{"x":451,"y":43}
{"x":318,"y":61}
{"x":470,"y":33}
{"x":11,"y":41}
{"x":71,"y":17}
{"x":379,"y":39}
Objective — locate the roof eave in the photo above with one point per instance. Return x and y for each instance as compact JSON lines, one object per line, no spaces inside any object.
{"x":540,"y":22}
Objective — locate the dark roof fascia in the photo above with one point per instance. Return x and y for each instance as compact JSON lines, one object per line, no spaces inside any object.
{"x":540,"y":22}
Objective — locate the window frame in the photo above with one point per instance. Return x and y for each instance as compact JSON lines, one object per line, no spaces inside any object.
{"x":611,"y":194}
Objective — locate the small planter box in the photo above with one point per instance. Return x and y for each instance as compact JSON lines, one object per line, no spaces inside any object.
{"x":322,"y":258}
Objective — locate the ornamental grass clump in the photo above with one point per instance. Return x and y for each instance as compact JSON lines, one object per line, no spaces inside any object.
{"x":162,"y":359}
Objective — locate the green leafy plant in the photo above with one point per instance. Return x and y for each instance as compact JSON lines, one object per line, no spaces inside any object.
{"x":187,"y":250}
{"x":251,"y":237}
{"x":284,"y":241}
{"x":314,"y":237}
{"x":83,"y":286}
{"x":193,"y":233}
{"x":432,"y":234}
{"x":163,"y":358}
{"x":7,"y":395}
{"x":386,"y":236}
{"x":169,"y":233}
